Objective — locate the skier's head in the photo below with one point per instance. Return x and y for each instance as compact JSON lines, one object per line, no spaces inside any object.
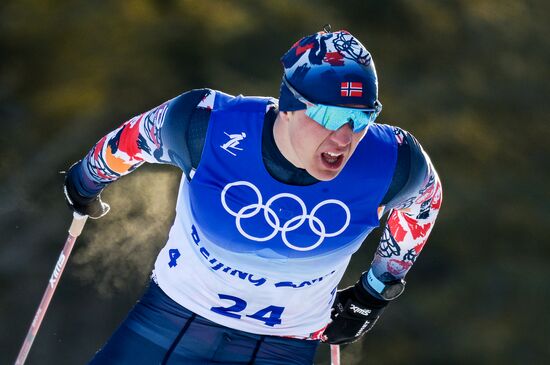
{"x":330,"y":68}
{"x":329,"y":97}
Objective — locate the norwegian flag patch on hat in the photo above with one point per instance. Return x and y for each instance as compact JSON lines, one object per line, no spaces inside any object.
{"x":354,"y":89}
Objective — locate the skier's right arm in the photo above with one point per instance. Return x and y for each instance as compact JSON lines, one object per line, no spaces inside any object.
{"x":160,"y":135}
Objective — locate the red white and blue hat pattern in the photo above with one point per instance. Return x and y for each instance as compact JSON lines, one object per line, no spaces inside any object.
{"x":331,"y":68}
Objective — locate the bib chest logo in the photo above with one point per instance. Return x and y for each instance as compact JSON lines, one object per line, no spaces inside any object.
{"x":316,"y":225}
{"x":234,"y":140}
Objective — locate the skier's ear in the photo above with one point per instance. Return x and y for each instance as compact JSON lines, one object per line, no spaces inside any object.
{"x":285,"y":116}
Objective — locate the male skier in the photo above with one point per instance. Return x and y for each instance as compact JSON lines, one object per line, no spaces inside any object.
{"x":276,"y":196}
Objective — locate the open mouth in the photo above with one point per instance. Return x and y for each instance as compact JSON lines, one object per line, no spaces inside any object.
{"x":332,"y":160}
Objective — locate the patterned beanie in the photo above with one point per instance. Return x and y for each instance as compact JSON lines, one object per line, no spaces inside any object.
{"x":331,"y":68}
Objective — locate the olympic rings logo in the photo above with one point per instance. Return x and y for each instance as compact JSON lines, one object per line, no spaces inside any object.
{"x":270,"y":216}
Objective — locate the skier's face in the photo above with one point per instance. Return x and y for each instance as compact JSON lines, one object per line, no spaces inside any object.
{"x":321,"y":152}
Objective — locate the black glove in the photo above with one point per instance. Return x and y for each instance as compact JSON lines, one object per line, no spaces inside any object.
{"x":354,"y":313}
{"x":93,"y":207}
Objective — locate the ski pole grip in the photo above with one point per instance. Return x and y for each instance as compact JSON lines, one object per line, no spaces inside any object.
{"x":77,"y":224}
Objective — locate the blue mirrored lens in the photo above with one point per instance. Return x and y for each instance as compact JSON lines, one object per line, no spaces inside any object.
{"x":334,"y":117}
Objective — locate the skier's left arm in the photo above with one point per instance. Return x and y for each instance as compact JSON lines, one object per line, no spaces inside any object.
{"x":412,"y":214}
{"x":412,"y":203}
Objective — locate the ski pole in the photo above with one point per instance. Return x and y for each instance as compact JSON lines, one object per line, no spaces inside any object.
{"x":334,"y":354}
{"x":74,"y":231}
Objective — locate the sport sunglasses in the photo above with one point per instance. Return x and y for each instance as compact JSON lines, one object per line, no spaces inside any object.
{"x":333,"y":117}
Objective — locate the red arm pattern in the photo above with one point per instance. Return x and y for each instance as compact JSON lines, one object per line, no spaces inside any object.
{"x":407,"y":229}
{"x":138,"y":140}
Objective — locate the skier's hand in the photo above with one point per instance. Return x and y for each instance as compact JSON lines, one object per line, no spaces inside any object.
{"x":93,"y":207}
{"x":354,"y":313}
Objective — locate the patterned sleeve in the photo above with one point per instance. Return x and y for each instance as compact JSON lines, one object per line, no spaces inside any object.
{"x":156,"y":136}
{"x":412,"y":214}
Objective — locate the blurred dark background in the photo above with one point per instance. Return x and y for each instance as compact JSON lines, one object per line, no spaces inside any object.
{"x":470,"y":79}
